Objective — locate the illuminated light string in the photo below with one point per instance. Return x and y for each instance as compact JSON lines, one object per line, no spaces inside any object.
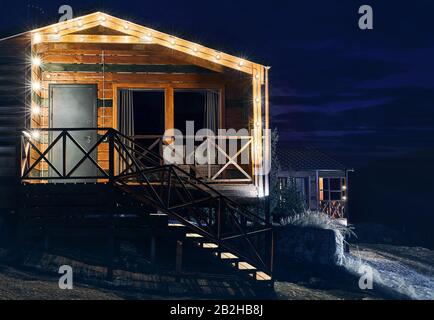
{"x":36,"y":109}
{"x":36,"y":61}
{"x":36,"y":85}
{"x":147,"y":38}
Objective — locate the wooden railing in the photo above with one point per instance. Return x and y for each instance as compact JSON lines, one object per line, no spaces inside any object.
{"x":227,"y":166}
{"x":333,"y":208}
{"x":141,"y":173}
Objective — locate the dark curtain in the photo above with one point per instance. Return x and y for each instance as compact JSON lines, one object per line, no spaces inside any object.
{"x":211,"y":112}
{"x":126,"y":121}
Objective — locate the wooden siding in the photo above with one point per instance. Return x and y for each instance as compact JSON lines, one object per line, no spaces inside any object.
{"x":13,"y":104}
{"x":135,"y":66}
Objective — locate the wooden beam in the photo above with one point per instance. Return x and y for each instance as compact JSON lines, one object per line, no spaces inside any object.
{"x":169,"y":115}
{"x":134,"y":33}
{"x":131,"y":68}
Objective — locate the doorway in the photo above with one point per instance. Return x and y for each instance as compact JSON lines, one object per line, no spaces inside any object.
{"x":73,"y":106}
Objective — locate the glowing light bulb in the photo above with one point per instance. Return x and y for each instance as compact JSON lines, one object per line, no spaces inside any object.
{"x":80,"y":23}
{"x":344,"y":187}
{"x":257,"y":76}
{"x":56,"y":30}
{"x":36,"y":134}
{"x":36,"y":61}
{"x":195,"y":49}
{"x":344,"y":198}
{"x":241,"y":64}
{"x":172,"y":41}
{"x":36,"y":85}
{"x":126,"y":27}
{"x":36,"y":109}
{"x":147,"y":37}
{"x":102,"y":18}
{"x":218,"y":56}
{"x":37,"y":38}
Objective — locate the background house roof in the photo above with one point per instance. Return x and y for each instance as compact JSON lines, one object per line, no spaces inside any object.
{"x":306,"y":159}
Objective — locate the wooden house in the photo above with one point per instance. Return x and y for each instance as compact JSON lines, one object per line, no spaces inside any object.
{"x":85,"y":109}
{"x":320,"y":181}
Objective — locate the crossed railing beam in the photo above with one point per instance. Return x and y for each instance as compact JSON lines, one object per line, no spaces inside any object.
{"x":167,"y":188}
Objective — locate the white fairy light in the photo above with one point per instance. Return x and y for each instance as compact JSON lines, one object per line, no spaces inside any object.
{"x":36,"y":109}
{"x":37,"y":38}
{"x":36,"y":61}
{"x":35,"y":134}
{"x":36,"y":86}
{"x":147,"y":37}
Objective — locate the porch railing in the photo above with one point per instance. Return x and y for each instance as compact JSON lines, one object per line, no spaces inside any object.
{"x":333,"y":208}
{"x":230,"y":161}
{"x":142,"y":173}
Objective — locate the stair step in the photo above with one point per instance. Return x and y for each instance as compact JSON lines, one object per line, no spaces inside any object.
{"x":193,"y":235}
{"x":244,"y":266}
{"x":208,"y":245}
{"x":175,"y":225}
{"x":227,"y":256}
{"x":262,"y":276}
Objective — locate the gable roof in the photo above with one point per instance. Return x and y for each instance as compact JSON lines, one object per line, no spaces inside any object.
{"x":127,"y":32}
{"x":306,"y":159}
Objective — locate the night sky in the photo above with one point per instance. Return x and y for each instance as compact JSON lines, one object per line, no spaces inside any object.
{"x":359,"y":95}
{"x":365,"y":97}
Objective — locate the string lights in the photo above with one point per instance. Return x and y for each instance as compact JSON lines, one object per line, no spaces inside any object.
{"x":36,"y":109}
{"x":37,"y":38}
{"x":36,"y":85}
{"x":36,"y":61}
{"x":139,"y":32}
{"x":35,"y":134}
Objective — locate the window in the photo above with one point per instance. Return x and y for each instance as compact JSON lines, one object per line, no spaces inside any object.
{"x":200,"y":106}
{"x":332,"y":189}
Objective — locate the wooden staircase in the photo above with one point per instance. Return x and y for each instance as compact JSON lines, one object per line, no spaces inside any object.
{"x":211,"y":221}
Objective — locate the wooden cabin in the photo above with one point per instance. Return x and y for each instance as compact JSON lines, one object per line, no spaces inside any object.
{"x":320,"y":181}
{"x":87,"y":103}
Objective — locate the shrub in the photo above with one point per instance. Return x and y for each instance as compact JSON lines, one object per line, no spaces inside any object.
{"x":319,"y":220}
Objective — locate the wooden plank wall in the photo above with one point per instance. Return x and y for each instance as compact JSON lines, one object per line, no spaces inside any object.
{"x":13,"y":91}
{"x":144,"y":65}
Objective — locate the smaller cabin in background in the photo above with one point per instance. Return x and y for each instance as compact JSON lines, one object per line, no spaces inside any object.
{"x":320,"y":180}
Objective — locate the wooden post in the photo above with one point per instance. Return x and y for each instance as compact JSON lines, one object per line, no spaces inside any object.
{"x":111,"y":156}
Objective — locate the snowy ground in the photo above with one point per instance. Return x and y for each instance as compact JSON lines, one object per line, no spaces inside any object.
{"x":404,"y":271}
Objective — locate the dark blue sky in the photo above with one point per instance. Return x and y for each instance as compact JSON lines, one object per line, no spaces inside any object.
{"x":360,"y":95}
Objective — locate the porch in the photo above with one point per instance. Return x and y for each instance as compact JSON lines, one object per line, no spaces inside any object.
{"x":98,"y":72}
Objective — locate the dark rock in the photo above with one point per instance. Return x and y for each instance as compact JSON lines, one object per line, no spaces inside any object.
{"x":303,"y":245}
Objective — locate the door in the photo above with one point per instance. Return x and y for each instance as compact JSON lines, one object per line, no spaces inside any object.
{"x":74,"y":106}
